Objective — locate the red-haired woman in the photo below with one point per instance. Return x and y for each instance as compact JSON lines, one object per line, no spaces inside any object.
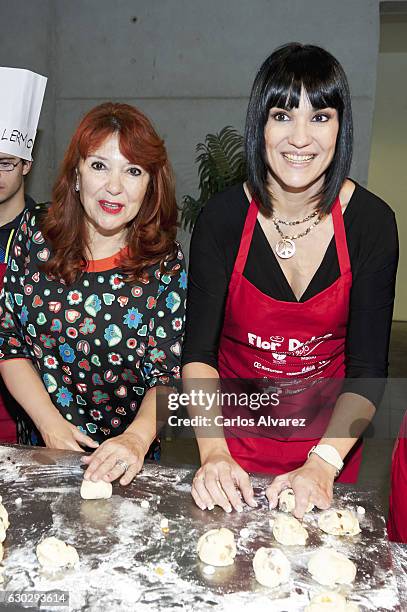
{"x":93,"y":305}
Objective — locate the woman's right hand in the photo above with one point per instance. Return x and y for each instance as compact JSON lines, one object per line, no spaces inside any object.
{"x":220,"y":473}
{"x":58,"y":433}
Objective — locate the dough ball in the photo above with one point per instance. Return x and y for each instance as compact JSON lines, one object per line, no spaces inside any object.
{"x":2,"y":531}
{"x":289,"y":531}
{"x":330,"y":601}
{"x":217,"y":547}
{"x":4,"y":516}
{"x":286,"y":501}
{"x":53,"y":554}
{"x":329,"y":567}
{"x":164,"y":523}
{"x":96,"y":490}
{"x":271,"y":567}
{"x":339,"y":522}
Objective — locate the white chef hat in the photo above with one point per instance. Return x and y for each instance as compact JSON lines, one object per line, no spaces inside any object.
{"x":21,"y":96}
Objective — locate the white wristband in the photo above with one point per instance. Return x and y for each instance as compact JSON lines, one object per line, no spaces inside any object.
{"x":329,"y":454}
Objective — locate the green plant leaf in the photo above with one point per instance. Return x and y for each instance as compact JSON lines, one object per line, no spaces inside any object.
{"x":221,"y":163}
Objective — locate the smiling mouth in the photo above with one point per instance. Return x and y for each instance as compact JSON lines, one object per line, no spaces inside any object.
{"x":113,"y":208}
{"x":298,"y":159}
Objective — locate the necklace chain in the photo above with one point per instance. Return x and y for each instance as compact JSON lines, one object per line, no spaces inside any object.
{"x":301,"y":235}
{"x":285,"y":248}
{"x":297,"y":222}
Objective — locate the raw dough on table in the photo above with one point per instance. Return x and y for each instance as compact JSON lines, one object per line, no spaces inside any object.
{"x":271,"y":567}
{"x":217,"y":547}
{"x":4,"y":515}
{"x":330,"y":601}
{"x":289,"y":531}
{"x":4,"y":522}
{"x":339,"y":522}
{"x":96,"y":490}
{"x":4,"y":525}
{"x":53,"y":554}
{"x":2,"y":532}
{"x":329,"y":567}
{"x":286,"y":501}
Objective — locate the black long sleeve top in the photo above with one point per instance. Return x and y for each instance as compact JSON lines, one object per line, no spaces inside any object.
{"x":371,"y":234}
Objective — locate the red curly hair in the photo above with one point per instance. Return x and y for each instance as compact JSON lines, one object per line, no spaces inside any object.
{"x":151,"y":235}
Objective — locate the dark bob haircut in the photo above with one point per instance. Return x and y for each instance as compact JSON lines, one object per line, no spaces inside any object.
{"x":278,"y":83}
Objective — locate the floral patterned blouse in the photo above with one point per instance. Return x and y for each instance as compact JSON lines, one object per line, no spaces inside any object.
{"x":99,"y":344}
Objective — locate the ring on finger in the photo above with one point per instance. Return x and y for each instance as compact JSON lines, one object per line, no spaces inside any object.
{"x":122,"y":464}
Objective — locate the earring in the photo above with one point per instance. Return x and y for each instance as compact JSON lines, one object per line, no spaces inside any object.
{"x":77,"y":184}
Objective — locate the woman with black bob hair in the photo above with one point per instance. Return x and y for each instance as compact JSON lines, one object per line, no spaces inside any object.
{"x":279,"y":83}
{"x":291,"y":284}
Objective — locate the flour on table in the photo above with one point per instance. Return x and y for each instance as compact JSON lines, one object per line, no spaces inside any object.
{"x":330,"y":601}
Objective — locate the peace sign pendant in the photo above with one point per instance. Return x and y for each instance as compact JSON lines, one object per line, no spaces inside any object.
{"x":285,"y":248}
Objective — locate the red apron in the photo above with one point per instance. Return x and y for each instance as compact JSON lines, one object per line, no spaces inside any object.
{"x":302,"y":341}
{"x":8,"y":432}
{"x":397,"y":520}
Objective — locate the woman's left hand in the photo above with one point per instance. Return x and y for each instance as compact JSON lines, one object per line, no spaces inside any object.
{"x":109,"y":460}
{"x":312,"y":482}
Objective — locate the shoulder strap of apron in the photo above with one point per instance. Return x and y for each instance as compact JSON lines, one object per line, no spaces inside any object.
{"x":339,"y":231}
{"x":340,"y":238}
{"x":246,"y":237}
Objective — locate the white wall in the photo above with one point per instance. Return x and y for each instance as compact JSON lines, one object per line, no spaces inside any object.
{"x":188,"y":64}
{"x":388,"y":165}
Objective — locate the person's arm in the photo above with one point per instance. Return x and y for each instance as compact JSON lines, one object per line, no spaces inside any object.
{"x":220,"y":480}
{"x":208,"y":281}
{"x":17,"y":358}
{"x":25,"y":385}
{"x":368,"y":334}
{"x":314,"y":480}
{"x":160,"y":366}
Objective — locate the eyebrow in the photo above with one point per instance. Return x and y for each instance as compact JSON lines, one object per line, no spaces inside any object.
{"x":106,"y":159}
{"x":8,"y":159}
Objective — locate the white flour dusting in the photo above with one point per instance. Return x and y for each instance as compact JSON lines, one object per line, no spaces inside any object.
{"x":128,"y":563}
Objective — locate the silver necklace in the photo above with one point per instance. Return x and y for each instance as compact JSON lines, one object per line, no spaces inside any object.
{"x":285,"y":248}
{"x":284,"y":222}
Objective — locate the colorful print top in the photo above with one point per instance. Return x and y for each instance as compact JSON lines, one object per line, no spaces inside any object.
{"x":7,"y":231}
{"x":99,"y":344}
